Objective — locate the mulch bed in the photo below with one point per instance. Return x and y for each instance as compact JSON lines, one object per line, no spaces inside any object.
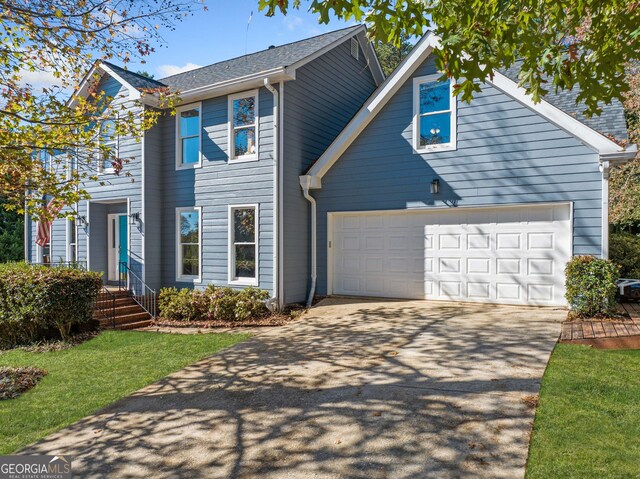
{"x":619,"y":332}
{"x":57,"y":344}
{"x":272,"y":320}
{"x":15,"y":381}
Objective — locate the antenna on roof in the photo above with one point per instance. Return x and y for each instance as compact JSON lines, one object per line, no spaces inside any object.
{"x":246,"y":36}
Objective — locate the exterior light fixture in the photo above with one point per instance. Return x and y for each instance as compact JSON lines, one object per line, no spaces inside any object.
{"x":435,"y":187}
{"x":134,"y":219}
{"x":82,"y":221}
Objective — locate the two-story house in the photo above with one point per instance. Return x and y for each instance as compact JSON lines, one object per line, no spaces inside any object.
{"x":300,"y":169}
{"x":212,"y":194}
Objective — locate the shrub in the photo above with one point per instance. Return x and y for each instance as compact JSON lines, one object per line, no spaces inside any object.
{"x":591,"y":285}
{"x":624,"y":250}
{"x":37,"y":301}
{"x":250,"y":304}
{"x":182,"y":305}
{"x":212,"y":303}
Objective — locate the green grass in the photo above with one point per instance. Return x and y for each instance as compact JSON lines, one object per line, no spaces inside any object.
{"x":87,"y":377}
{"x":588,"y":419}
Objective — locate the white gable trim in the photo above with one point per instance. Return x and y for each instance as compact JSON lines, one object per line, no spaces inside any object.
{"x":100,"y":69}
{"x":595,"y":140}
{"x":371,"y":108}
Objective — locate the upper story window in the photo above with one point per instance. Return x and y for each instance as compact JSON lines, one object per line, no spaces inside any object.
{"x":108,"y":141}
{"x":188,"y":136}
{"x":46,"y":160}
{"x":243,"y":126}
{"x":434,"y":114}
{"x":72,"y":240}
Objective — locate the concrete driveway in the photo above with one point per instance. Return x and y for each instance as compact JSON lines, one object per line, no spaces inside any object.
{"x":354,"y":389}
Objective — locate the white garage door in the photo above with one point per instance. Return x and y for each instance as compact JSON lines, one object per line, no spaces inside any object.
{"x":513,"y":255}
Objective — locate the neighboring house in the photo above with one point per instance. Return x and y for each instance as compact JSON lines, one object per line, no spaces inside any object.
{"x":406,"y":192}
{"x":215,"y":198}
{"x":425,"y":196}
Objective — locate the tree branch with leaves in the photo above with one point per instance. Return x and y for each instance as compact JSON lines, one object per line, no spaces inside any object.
{"x":42,"y":133}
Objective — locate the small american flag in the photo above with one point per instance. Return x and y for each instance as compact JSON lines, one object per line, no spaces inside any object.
{"x":44,"y":226}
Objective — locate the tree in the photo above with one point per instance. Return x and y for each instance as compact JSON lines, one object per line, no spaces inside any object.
{"x":41,"y":131}
{"x":145,"y":73}
{"x":11,"y":235}
{"x":624,"y":182}
{"x":562,"y":43}
{"x":391,"y":55}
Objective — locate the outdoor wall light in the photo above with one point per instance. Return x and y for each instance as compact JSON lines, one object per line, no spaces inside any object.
{"x":82,"y":221}
{"x":134,"y":219}
{"x":435,"y":187}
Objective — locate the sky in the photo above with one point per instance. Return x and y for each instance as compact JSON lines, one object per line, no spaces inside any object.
{"x":221,"y":33}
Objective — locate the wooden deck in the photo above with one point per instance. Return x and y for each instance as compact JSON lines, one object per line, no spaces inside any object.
{"x":624,"y":327}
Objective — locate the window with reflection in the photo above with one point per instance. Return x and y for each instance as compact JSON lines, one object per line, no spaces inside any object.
{"x":188,"y":136}
{"x":435,"y":115}
{"x":189,"y":237}
{"x":243,"y":126}
{"x":243,"y":251}
{"x":108,"y":146}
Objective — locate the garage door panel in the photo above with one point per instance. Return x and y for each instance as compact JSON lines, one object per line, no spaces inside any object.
{"x":513,"y":255}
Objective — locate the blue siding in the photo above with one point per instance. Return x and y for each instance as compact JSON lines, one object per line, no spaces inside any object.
{"x":505,"y":154}
{"x":152,"y":211}
{"x":326,"y":94}
{"x":216,"y":186}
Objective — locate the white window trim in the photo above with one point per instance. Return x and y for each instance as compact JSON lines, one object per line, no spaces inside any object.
{"x":231,"y":98}
{"x":232,"y":280}
{"x":179,"y":164}
{"x":452,"y":145}
{"x":116,"y":140}
{"x":69,"y":259}
{"x":191,"y":278}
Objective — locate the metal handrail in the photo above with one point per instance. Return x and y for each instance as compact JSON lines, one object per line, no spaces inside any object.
{"x":138,"y":289}
{"x":105,"y":306}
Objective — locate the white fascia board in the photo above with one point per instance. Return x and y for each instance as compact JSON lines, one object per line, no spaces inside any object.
{"x":134,"y":93}
{"x":255,"y":80}
{"x":101,"y":69}
{"x":595,"y":140}
{"x":371,"y":107}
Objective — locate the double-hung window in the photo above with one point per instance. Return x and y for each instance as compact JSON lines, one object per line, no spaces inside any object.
{"x":188,"y":136}
{"x":434,"y":118}
{"x":243,"y":126}
{"x":72,"y":240}
{"x":189,"y":240}
{"x":108,"y":146}
{"x":243,"y":244}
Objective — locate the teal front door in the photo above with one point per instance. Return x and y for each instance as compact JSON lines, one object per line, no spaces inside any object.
{"x":118,"y":244}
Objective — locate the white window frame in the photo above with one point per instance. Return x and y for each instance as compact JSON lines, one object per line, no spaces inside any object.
{"x":233,"y":279}
{"x":116,"y":147}
{"x":231,"y":143}
{"x":451,"y":145}
{"x":179,"y":164}
{"x":180,"y":277}
{"x":75,"y":222}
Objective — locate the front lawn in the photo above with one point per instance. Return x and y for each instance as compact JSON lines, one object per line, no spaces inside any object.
{"x":87,"y":377}
{"x":588,"y":418}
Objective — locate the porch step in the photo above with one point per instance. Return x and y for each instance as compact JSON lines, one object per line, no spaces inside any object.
{"x":139,"y":324}
{"x":128,"y":313}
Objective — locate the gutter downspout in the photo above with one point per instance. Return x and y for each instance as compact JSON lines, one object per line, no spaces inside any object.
{"x":305,"y":182}
{"x":604,"y":168}
{"x":274,"y":304}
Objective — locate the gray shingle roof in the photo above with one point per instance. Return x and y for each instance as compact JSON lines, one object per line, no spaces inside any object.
{"x":136,"y":80}
{"x":281,"y":56}
{"x":610,"y":122}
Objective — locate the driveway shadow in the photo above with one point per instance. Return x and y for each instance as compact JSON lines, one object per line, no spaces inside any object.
{"x":355,"y":388}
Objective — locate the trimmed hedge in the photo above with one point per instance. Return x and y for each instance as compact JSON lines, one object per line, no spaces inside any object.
{"x":591,"y":286}
{"x":39,"y":302}
{"x":212,"y":304}
{"x":624,"y":250}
